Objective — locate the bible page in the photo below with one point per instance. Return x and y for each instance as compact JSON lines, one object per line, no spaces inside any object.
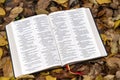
{"x":35,"y":43}
{"x":74,"y":35}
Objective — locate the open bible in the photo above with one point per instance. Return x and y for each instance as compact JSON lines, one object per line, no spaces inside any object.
{"x":44,"y":41}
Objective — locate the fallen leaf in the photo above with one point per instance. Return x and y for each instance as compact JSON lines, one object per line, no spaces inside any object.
{"x":50,"y":78}
{"x":93,"y":1}
{"x":60,"y":1}
{"x":104,"y":38}
{"x":109,"y":77}
{"x":8,"y":70}
{"x":118,"y":75}
{"x":26,"y":76}
{"x":3,"y":42}
{"x":114,"y":47}
{"x":44,"y":73}
{"x":57,"y":70}
{"x":113,"y":62}
{"x":99,"y":77}
{"x":2,"y":1}
{"x":4,"y":78}
{"x":1,"y":52}
{"x":117,"y":24}
{"x":2,"y":12}
{"x":87,"y":77}
{"x":73,"y":79}
{"x":53,"y":9}
{"x":103,"y":1}
{"x":42,"y":4}
{"x":15,"y":12}
{"x":41,"y":11}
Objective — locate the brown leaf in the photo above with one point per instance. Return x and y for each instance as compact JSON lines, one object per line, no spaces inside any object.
{"x":113,"y":62}
{"x":114,"y":47}
{"x":28,"y":12}
{"x":26,"y":76}
{"x":15,"y":12}
{"x":101,"y":13}
{"x":118,"y":75}
{"x":41,"y":11}
{"x":8,"y":70}
{"x":109,"y":77}
{"x":43,"y":4}
{"x":87,"y":77}
{"x":53,"y":9}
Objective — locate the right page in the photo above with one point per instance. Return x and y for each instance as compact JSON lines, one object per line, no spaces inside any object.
{"x":76,"y":35}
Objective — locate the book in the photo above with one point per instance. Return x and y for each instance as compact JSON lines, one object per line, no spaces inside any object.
{"x":44,"y":41}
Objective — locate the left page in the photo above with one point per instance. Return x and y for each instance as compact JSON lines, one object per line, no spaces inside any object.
{"x":36,"y":47}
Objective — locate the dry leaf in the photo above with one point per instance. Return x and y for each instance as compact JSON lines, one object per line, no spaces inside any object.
{"x":109,"y":77}
{"x":103,"y":1}
{"x":2,"y":1}
{"x":87,"y":77}
{"x":1,"y":52}
{"x":2,"y":12}
{"x":118,"y":75}
{"x":60,"y":1}
{"x":41,"y":11}
{"x":53,"y":9}
{"x":44,"y":73}
{"x":15,"y":12}
{"x":50,"y":78}
{"x":4,"y":78}
{"x":93,"y":1}
{"x":99,"y":77}
{"x":3,"y":42}
{"x":42,"y":4}
{"x":117,"y":24}
{"x":73,"y":79}
{"x":114,"y":47}
{"x":113,"y":62}
{"x":26,"y":76}
{"x":8,"y":70}
{"x":104,"y":38}
{"x":57,"y":70}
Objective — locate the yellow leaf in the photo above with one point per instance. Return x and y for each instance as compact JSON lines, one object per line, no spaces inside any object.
{"x":99,"y":77}
{"x":1,"y":52}
{"x":65,"y":4}
{"x":60,"y":1}
{"x":2,"y":12}
{"x":2,"y":1}
{"x":86,"y":77}
{"x":73,"y":79}
{"x":25,"y":76}
{"x":3,"y":42}
{"x":117,"y":23}
{"x":41,"y":11}
{"x":57,"y":70}
{"x":103,"y":1}
{"x":44,"y":73}
{"x":4,"y":78}
{"x":104,"y":38}
{"x":50,"y":78}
